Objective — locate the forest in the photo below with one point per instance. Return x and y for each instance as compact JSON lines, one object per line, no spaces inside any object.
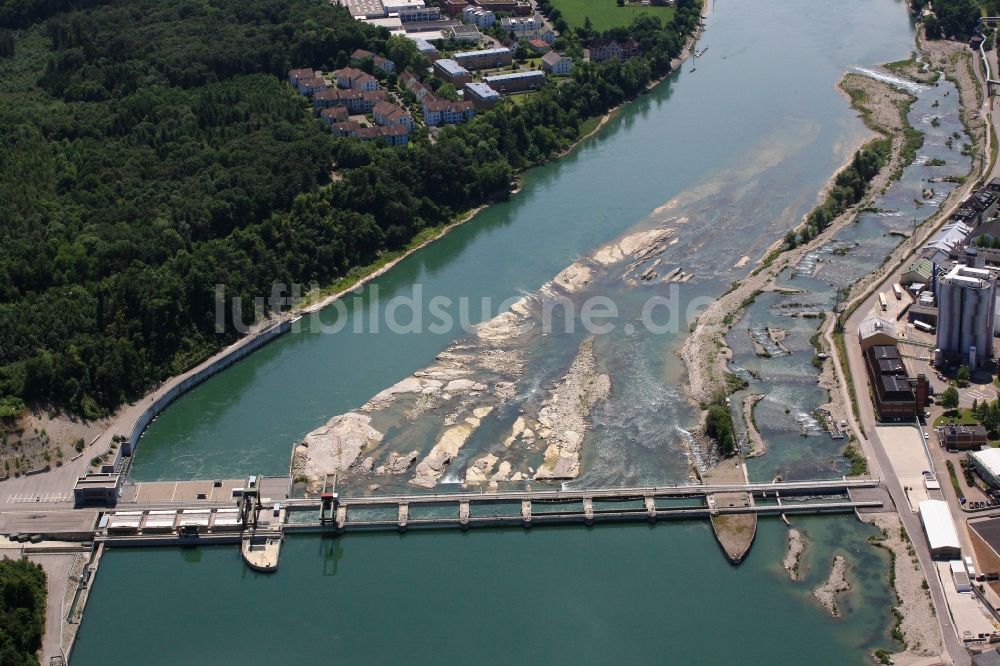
{"x":22,"y":611}
{"x":149,"y":152}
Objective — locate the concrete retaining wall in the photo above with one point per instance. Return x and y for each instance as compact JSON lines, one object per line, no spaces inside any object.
{"x":237,"y":352}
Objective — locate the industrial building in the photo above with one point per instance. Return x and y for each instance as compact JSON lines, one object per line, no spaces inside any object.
{"x":516,"y":82}
{"x":987,"y":464}
{"x":940,"y":530}
{"x":451,"y":71}
{"x":484,"y":58}
{"x":895,"y":393}
{"x":98,"y":489}
{"x":962,"y":437}
{"x":966,"y":298}
{"x":481,"y":95}
{"x":876,"y":331}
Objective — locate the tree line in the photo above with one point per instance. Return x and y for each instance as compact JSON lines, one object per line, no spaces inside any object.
{"x":151,"y":151}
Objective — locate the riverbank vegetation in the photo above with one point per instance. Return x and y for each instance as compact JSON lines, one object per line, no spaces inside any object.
{"x":22,"y":611}
{"x":859,"y":464}
{"x":151,"y":153}
{"x":719,"y":426}
{"x":954,"y":19}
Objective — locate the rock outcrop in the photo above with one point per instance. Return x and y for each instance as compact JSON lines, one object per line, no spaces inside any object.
{"x":564,"y":418}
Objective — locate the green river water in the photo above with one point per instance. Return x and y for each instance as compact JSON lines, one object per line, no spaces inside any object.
{"x":739,"y":148}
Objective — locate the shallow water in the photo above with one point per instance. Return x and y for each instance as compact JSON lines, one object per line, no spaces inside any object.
{"x":739,"y":149}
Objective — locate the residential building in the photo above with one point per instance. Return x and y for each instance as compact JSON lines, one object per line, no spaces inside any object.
{"x":539,"y":46}
{"x":346,"y":128}
{"x":394,"y":135}
{"x":312,"y":86}
{"x":516,"y":81}
{"x":557,"y":64}
{"x":296,"y":75}
{"x":485,"y":58}
{"x":966,"y":298}
{"x":334,"y":114}
{"x":453,"y":7}
{"x":630,"y":48}
{"x":896,"y":395}
{"x":479,"y":17}
{"x":425,"y":48}
{"x":523,"y":27}
{"x":384,"y":64}
{"x":987,"y":465}
{"x":962,"y":437}
{"x":354,"y":79}
{"x":445,"y":112}
{"x":326,"y":99}
{"x":522,"y":8}
{"x":509,"y":6}
{"x":993,"y":185}
{"x":605,"y":49}
{"x":481,"y":95}
{"x":407,"y":78}
{"x":420,"y":90}
{"x":608,"y":49}
{"x":940,"y":529}
{"x":358,"y":101}
{"x":451,"y":71}
{"x":387,"y":113}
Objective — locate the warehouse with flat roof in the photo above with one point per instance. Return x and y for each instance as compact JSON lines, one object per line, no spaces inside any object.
{"x":940,"y":530}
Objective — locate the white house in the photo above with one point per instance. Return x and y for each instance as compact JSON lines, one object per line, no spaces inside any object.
{"x":557,"y":64}
{"x":479,"y":17}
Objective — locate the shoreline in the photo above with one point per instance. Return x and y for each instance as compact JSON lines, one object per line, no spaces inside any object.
{"x":701,"y":349}
{"x":470,"y":214}
{"x":119,"y":421}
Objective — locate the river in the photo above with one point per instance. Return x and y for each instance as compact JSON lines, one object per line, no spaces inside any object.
{"x":731,"y":155}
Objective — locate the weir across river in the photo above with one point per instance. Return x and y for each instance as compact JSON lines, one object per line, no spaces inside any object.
{"x":151,"y":519}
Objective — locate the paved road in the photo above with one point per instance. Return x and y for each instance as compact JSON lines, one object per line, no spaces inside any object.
{"x":871,"y":445}
{"x":58,"y":567}
{"x":879,"y":463}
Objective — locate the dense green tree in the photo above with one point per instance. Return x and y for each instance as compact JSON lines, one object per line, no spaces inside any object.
{"x":149,"y":152}
{"x":719,"y":426}
{"x":949,"y":398}
{"x":22,"y":611}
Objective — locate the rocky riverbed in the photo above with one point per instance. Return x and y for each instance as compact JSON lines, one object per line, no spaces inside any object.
{"x":415,"y":432}
{"x":796,"y":546}
{"x":835,"y":584}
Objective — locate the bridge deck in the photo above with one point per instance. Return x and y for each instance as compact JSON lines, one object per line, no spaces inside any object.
{"x":687,"y":490}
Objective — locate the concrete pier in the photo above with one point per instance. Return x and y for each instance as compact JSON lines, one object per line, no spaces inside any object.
{"x":463,"y":513}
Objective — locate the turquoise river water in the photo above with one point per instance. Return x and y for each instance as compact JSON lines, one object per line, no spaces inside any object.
{"x":731,"y":155}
